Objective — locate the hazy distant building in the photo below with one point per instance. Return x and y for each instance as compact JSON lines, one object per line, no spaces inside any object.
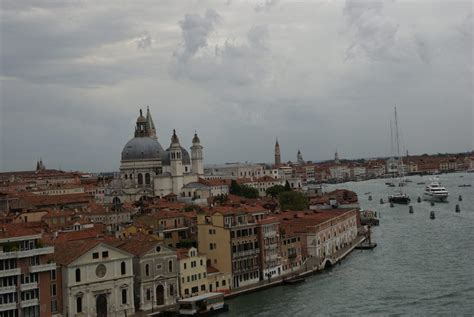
{"x":148,"y":170}
{"x":277,"y":153}
{"x":299,"y":158}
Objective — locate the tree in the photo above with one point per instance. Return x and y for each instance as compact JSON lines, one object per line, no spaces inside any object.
{"x":248,"y":192}
{"x":243,"y":190}
{"x":275,"y":190}
{"x":189,"y":208}
{"x":287,"y":186}
{"x":221,"y":198}
{"x":234,"y":188}
{"x":293,"y":200}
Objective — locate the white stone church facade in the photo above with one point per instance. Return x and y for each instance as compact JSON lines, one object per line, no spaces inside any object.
{"x":147,"y":170}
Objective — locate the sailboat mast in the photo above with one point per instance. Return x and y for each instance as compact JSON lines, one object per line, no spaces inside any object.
{"x":392,"y":151}
{"x":400,"y":160}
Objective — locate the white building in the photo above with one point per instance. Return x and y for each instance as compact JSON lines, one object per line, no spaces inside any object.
{"x":97,"y":279}
{"x":155,"y":268}
{"x":148,"y":170}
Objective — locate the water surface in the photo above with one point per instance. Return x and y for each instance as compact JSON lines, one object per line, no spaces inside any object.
{"x":420,"y":267}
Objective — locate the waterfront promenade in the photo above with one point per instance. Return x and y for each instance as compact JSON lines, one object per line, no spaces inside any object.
{"x":312,"y":265}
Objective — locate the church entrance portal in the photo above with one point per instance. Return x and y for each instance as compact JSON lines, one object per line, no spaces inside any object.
{"x":160,"y":295}
{"x":101,"y":305}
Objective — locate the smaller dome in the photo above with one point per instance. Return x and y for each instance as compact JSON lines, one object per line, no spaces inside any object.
{"x":141,"y":119}
{"x":196,"y":138}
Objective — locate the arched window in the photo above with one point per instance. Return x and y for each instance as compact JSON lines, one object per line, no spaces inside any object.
{"x":147,"y":270}
{"x":170,"y":266}
{"x":78,"y":275}
{"x":79,"y":304}
{"x":122,"y":268}
{"x":147,"y":178}
{"x":140,"y":179}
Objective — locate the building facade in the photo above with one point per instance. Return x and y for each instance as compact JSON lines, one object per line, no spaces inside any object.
{"x":27,"y":279}
{"x":97,"y":279}
{"x":155,"y":270}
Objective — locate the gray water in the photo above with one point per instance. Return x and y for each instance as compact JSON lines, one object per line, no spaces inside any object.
{"x":421,"y":267}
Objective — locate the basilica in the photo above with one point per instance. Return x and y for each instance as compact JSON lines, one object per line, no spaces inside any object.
{"x":147,"y":170}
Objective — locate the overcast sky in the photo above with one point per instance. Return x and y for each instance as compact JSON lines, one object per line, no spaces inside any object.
{"x":319,"y":75}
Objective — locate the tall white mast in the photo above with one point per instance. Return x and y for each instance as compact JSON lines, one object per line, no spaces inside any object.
{"x":400,"y":160}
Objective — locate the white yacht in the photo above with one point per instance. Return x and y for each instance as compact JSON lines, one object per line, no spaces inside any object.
{"x":435,"y":192}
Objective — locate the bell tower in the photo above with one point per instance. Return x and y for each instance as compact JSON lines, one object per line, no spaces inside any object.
{"x":176,"y":163}
{"x":196,"y":156}
{"x":277,"y":153}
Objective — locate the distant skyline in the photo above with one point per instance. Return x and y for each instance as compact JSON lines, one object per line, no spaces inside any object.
{"x":321,"y":76}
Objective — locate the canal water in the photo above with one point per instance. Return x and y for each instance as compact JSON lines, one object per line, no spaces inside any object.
{"x":420,"y":267}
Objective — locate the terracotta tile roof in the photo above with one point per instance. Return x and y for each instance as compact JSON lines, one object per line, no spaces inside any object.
{"x":225,"y":210}
{"x":11,"y":230}
{"x":136,"y":247}
{"x":46,"y":200}
{"x":293,"y":222}
{"x":86,"y":234}
{"x":215,"y":182}
{"x":67,"y":252}
{"x":182,"y":253}
{"x":210,"y":269}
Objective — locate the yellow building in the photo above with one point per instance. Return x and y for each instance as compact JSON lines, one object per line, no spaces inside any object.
{"x":218,"y":281}
{"x":192,"y":272}
{"x":229,"y":239}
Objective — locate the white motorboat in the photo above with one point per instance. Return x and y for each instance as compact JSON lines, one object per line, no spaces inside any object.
{"x":435,"y":192}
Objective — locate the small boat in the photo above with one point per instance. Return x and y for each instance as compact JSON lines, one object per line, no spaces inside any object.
{"x":202,"y":305}
{"x":391,"y":184}
{"x":294,"y":280}
{"x":435,"y":192}
{"x":368,"y":193}
{"x":421,"y":183}
{"x":368,"y":217}
{"x":432,"y":215}
{"x":465,"y":185}
{"x":366,"y":246}
{"x":399,"y":198}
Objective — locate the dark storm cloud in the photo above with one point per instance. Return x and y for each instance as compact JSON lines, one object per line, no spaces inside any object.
{"x":319,"y":75}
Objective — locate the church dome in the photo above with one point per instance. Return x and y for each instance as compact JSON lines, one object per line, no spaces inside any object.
{"x":165,"y":159}
{"x":142,"y":148}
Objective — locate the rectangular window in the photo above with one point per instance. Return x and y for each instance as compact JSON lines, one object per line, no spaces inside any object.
{"x":52,"y":275}
{"x":53,"y":289}
{"x":203,"y":287}
{"x":105,"y":254}
{"x":95,"y":255}
{"x":54,"y":306}
{"x":124,"y":296}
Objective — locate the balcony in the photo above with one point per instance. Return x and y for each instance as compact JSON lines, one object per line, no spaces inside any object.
{"x":7,"y":289}
{"x":7,"y":306}
{"x":11,"y":272}
{"x":28,"y":286}
{"x":26,"y":253}
{"x":29,"y":302}
{"x":42,"y":267}
{"x":252,"y":252}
